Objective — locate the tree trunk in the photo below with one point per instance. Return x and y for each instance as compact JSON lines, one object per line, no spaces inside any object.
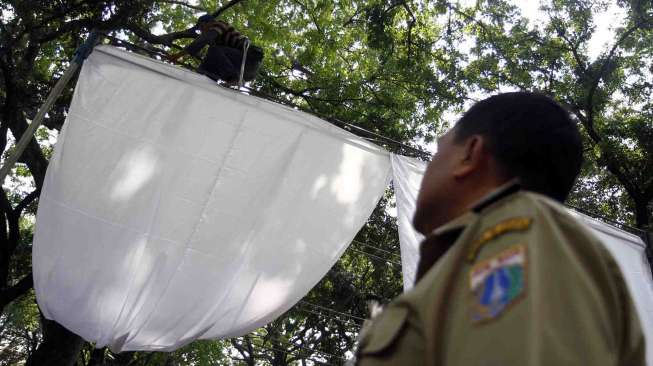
{"x":124,"y":358}
{"x":642,"y":214}
{"x":60,"y":347}
{"x":97,"y":357}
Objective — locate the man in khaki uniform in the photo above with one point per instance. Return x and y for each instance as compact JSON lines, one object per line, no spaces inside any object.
{"x":506,"y":275}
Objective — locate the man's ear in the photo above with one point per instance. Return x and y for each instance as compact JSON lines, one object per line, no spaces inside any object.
{"x":471,"y":154}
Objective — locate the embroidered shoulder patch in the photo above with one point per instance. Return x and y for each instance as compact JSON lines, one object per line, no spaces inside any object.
{"x":514,"y":224}
{"x":498,"y":282}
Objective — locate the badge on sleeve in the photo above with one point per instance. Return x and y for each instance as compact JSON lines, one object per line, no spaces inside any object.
{"x":498,"y":282}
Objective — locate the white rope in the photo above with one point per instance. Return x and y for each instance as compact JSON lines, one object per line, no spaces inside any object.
{"x":242,"y":64}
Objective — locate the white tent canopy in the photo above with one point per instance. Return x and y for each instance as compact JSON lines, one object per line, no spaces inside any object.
{"x":627,"y":249}
{"x":174,"y":210}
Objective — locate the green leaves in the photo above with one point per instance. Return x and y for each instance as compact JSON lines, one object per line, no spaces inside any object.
{"x":400,"y":68}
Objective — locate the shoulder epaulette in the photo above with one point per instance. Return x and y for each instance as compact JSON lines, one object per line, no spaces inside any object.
{"x":506,"y":226}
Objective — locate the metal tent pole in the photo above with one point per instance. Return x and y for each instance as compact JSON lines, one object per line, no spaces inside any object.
{"x":80,"y":55}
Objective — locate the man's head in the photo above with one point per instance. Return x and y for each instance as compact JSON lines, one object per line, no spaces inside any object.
{"x":204,"y":22}
{"x":520,"y":135}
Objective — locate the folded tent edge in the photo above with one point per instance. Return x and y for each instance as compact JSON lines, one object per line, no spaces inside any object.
{"x":184,"y":75}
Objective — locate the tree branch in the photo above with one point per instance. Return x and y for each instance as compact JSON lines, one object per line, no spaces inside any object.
{"x":8,"y":247}
{"x":183,"y":3}
{"x":411,"y":24}
{"x":32,"y":156}
{"x":224,"y":8}
{"x":165,"y":39}
{"x":168,"y":38}
{"x":487,"y":32}
{"x":352,"y":19}
{"x":26,"y":201}
{"x":616,"y":167}
{"x":572,"y":46}
{"x":19,"y":289}
{"x":311,"y":15}
{"x":599,"y":76}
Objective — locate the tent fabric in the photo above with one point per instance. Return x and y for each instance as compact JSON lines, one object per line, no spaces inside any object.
{"x":407,"y":177}
{"x":627,"y":249}
{"x":174,"y":210}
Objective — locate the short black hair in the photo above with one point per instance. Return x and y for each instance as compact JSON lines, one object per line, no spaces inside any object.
{"x":532,"y":138}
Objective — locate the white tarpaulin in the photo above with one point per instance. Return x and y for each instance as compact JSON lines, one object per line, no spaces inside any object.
{"x":407,"y":177}
{"x":627,"y":249}
{"x":174,"y":209}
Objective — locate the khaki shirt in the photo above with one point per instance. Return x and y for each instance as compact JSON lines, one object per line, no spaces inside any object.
{"x":523,"y":283}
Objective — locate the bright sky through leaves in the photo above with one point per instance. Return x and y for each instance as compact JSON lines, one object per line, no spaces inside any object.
{"x":606,"y":21}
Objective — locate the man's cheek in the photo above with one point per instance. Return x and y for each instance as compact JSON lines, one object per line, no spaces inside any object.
{"x":429,"y":180}
{"x":426,"y":191}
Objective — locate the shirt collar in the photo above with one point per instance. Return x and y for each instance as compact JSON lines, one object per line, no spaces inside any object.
{"x":455,"y":224}
{"x":502,"y":191}
{"x":465,"y":219}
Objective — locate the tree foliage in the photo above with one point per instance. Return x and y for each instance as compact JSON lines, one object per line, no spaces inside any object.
{"x":399,"y":68}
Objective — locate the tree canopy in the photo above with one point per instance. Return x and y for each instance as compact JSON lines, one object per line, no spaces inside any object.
{"x":399,"y":68}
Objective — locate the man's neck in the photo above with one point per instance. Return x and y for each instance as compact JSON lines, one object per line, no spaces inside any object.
{"x":440,"y":240}
{"x":477,"y":200}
